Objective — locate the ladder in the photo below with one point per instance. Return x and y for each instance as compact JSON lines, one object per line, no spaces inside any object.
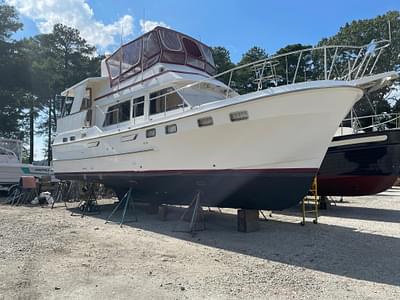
{"x":310,"y":200}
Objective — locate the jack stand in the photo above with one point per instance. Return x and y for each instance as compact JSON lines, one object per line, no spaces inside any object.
{"x":89,"y":206}
{"x":265,"y":218}
{"x":127,"y":201}
{"x":62,"y":193}
{"x":197,"y":215}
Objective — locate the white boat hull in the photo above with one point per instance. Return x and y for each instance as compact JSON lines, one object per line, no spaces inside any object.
{"x":11,"y":173}
{"x":271,"y":157}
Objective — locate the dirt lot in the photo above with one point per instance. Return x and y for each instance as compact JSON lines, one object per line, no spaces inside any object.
{"x":354,"y":252}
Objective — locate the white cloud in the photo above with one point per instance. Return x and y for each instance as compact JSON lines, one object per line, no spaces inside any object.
{"x":147,"y":25}
{"x":77,"y":14}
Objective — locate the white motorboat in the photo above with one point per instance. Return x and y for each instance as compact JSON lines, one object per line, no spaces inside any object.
{"x":11,"y":166}
{"x":158,"y":120}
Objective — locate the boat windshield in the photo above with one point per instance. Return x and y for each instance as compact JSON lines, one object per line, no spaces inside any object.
{"x":64,"y":104}
{"x":159,"y":45}
{"x":11,"y":148}
{"x":198,"y":95}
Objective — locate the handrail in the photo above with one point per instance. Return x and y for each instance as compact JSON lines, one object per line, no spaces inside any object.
{"x":359,"y":68}
{"x":376,"y":121}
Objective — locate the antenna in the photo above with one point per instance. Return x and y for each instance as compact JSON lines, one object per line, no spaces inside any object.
{"x":121,"y":56}
{"x":122,"y":34}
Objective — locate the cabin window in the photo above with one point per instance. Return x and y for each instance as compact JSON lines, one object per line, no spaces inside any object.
{"x":171,"y":129}
{"x":118,"y":113}
{"x":206,"y":121}
{"x":66,"y":105}
{"x":131,"y":55}
{"x":191,"y":48}
{"x":151,"y":50}
{"x":151,"y":133}
{"x":138,"y":107}
{"x":65,"y":140}
{"x":72,"y":138}
{"x":194,"y":56}
{"x":239,"y":115}
{"x":208,"y":55}
{"x":113,"y":63}
{"x":87,"y":100}
{"x":159,"y":102}
{"x":170,"y":39}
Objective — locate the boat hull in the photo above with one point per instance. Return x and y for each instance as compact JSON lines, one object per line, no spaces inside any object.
{"x":11,"y":173}
{"x":250,"y":189}
{"x":361,"y":164}
{"x":264,"y":162}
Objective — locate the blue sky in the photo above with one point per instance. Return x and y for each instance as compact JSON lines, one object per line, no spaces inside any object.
{"x":236,"y":25}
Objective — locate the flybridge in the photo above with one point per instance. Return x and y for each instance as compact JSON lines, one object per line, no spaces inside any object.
{"x":159,"y":45}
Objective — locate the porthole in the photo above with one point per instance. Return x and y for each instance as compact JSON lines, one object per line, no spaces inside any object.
{"x":169,"y":129}
{"x":206,"y":121}
{"x":151,"y":133}
{"x":239,"y":115}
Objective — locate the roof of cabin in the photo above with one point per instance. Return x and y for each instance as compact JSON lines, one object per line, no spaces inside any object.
{"x":158,"y":45}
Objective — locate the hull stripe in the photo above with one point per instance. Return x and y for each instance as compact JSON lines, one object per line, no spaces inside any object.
{"x":197,"y":171}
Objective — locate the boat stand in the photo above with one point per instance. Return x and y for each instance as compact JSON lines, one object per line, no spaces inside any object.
{"x":265,"y":218}
{"x":62,"y":193}
{"x":312,"y":200}
{"x":197,"y":217}
{"x":128,"y":202}
{"x":89,"y":206}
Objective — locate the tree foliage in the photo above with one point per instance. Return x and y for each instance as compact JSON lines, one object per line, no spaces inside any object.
{"x":362,"y":32}
{"x":222,"y":62}
{"x":13,"y":79}
{"x":58,"y":60}
{"x":245,"y":79}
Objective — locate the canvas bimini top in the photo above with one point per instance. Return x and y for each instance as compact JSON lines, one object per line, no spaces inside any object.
{"x":159,"y":45}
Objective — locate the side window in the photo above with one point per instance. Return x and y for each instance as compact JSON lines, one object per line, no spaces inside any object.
{"x":87,"y":99}
{"x":159,"y":102}
{"x":131,"y":55}
{"x":114,"y":64}
{"x":193,"y":54}
{"x":66,"y":105}
{"x":138,"y":107}
{"x":118,"y":113}
{"x":191,"y":48}
{"x":151,"y":133}
{"x":151,"y":49}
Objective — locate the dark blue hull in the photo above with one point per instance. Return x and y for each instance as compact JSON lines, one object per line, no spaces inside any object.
{"x":273,"y":189}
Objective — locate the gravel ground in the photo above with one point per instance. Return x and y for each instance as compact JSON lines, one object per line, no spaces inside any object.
{"x":352,"y":253}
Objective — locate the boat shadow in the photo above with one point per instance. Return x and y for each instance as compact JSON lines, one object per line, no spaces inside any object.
{"x":327,"y":248}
